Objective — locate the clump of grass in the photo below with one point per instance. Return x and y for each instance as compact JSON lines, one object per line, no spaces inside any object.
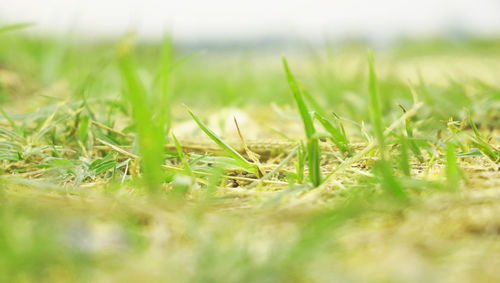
{"x":478,"y":141}
{"x":410,"y":137}
{"x":240,"y":160}
{"x":337,"y":134}
{"x":313,"y":150}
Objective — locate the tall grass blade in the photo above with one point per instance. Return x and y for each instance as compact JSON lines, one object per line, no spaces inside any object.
{"x":375,"y":111}
{"x":150,"y":134}
{"x":163,"y":84}
{"x":313,"y":150}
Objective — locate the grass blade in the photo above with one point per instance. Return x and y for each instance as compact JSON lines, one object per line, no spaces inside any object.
{"x":375,"y":111}
{"x":452,"y":170}
{"x":299,"y":167}
{"x":404,"y":160}
{"x":241,"y":161}
{"x":388,"y":181}
{"x":150,"y":134}
{"x":313,"y":150}
{"x":409,"y":133}
{"x":338,"y":137}
{"x":187,"y":168}
{"x":481,"y":144}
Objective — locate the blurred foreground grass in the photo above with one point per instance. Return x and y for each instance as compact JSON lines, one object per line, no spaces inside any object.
{"x":89,"y":192}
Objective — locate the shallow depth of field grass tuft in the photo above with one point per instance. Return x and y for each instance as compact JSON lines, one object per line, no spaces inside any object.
{"x":125,"y":161}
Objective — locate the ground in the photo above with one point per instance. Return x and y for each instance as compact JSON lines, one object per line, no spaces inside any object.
{"x":94,"y":187}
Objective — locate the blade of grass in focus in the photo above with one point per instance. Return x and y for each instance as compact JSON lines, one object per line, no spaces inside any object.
{"x":313,"y":150}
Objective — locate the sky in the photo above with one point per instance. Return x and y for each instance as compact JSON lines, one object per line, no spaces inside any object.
{"x":240,"y":19}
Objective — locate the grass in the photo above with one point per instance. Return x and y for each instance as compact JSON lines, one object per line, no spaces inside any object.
{"x":150,"y":131}
{"x":329,"y":182}
{"x":312,"y":144}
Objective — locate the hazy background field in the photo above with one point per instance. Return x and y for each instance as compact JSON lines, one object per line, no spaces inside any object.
{"x":194,"y":21}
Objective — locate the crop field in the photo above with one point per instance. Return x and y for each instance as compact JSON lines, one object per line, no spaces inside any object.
{"x":127,"y":161}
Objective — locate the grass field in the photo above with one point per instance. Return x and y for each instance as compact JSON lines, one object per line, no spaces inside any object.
{"x":144,"y":162}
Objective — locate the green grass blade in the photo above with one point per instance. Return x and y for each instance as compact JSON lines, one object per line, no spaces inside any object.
{"x":409,"y":133}
{"x":404,"y":160}
{"x":151,"y":136}
{"x":337,"y":136}
{"x":163,"y":84}
{"x":83,"y":129}
{"x":481,"y":144}
{"x":316,"y":105}
{"x":375,"y":111}
{"x":7,"y":117}
{"x":241,"y":161}
{"x":473,"y":125}
{"x":452,"y":169}
{"x":313,"y":150}
{"x":187,"y":167}
{"x":299,"y":167}
{"x":388,"y":181}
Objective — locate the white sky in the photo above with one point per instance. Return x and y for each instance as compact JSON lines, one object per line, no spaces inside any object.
{"x":239,"y":19}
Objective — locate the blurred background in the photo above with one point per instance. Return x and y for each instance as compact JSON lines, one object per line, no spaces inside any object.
{"x":229,"y":51}
{"x":195,"y":21}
